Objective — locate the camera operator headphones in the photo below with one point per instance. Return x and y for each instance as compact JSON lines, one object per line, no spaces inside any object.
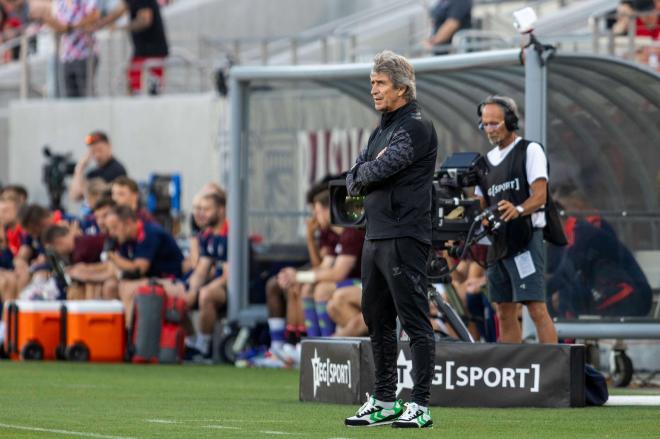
{"x":510,"y":116}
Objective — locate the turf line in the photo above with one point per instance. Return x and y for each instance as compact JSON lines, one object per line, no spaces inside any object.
{"x":222,"y":427}
{"x":57,"y":431}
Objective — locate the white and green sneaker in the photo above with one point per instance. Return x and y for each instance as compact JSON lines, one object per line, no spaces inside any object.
{"x":371,"y":414}
{"x":414,"y":417}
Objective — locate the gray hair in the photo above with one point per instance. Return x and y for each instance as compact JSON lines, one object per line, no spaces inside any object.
{"x":399,"y":69}
{"x":504,"y":102}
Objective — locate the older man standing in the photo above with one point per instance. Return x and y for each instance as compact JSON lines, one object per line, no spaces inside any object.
{"x":395,"y":174}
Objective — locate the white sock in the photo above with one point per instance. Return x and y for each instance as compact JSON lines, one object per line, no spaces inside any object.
{"x":202,"y":344}
{"x":423,"y":408}
{"x":2,"y":331}
{"x":276,"y":325}
{"x":385,"y":405}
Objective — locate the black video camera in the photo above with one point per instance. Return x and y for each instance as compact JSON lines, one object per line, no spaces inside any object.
{"x":55,"y":171}
{"x":455,"y":218}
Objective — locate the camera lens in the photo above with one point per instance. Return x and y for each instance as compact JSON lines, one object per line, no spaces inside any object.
{"x":346,"y":210}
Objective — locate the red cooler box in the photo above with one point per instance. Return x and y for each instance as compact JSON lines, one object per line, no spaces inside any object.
{"x":32,"y":329}
{"x":94,"y":330}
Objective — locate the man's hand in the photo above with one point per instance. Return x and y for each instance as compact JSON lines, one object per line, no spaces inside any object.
{"x":84,"y":160}
{"x":427,"y":44}
{"x":286,"y":277}
{"x":311,"y":226}
{"x":507,"y":210}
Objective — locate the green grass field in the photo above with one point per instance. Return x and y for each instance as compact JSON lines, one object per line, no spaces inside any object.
{"x":43,"y":400}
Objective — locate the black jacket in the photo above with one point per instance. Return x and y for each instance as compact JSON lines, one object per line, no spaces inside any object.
{"x":398,"y":184}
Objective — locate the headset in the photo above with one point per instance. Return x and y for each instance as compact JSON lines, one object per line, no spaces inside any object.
{"x":510,"y":116}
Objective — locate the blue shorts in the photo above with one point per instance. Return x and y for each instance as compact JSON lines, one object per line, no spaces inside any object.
{"x":350,"y":282}
{"x":505,"y":284}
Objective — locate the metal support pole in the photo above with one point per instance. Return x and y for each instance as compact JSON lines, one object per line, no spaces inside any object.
{"x":59,"y":87}
{"x":325,"y":58}
{"x":630,"y":54}
{"x":536,"y":99}
{"x":595,"y":35}
{"x":264,"y":52}
{"x":237,"y":51}
{"x":353,"y":48}
{"x":238,"y":186}
{"x":90,"y":71}
{"x":294,"y":51}
{"x":536,"y":117}
{"x":25,"y":68}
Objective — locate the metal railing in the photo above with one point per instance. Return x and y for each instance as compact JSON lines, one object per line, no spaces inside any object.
{"x":193,"y":61}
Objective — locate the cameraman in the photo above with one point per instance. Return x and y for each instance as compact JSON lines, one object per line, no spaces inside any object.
{"x":516,"y":183}
{"x":395,"y":173}
{"x":108,"y":168}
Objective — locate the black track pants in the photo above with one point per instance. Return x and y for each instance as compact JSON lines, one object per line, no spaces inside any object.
{"x":394,"y":283}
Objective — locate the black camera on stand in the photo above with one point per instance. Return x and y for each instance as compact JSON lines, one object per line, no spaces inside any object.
{"x":456,"y":219}
{"x":55,"y":171}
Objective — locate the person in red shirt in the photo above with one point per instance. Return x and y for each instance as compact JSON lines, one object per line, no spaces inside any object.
{"x":647,"y":25}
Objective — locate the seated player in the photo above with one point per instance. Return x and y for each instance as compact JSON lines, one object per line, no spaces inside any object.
{"x":344,"y":271}
{"x":207,"y":286}
{"x":286,"y":321}
{"x":146,"y":251}
{"x":345,"y":309}
{"x":30,"y":256}
{"x":125,"y":192}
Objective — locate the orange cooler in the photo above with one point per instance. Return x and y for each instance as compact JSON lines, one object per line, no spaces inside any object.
{"x":94,"y":330}
{"x":32,"y":329}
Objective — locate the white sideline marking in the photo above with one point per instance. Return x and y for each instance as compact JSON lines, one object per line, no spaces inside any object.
{"x":620,"y":400}
{"x":67,"y":432}
{"x":279,"y":433}
{"x":222,"y":427}
{"x":160,"y":421}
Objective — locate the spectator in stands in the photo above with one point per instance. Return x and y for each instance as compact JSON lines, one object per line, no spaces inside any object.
{"x":145,"y":251}
{"x":15,"y":18}
{"x":647,"y":24}
{"x":78,"y":51}
{"x":448,"y":17}
{"x":149,"y":43}
{"x":597,"y":274}
{"x":344,"y":271}
{"x":125,"y":192}
{"x":207,"y":286}
{"x":107,"y":167}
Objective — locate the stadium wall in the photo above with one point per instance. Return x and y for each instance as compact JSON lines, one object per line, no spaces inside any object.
{"x":168,"y":134}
